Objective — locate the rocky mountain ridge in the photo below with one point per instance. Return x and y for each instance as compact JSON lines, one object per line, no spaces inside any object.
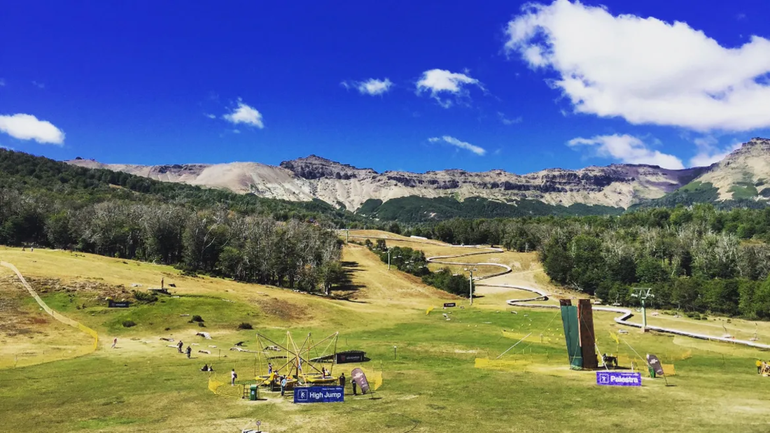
{"x":314,"y":177}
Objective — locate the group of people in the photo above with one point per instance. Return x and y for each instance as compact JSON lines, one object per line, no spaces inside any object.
{"x":187,"y":351}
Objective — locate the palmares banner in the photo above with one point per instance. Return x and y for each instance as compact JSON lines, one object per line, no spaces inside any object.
{"x":319,"y":394}
{"x":616,"y":378}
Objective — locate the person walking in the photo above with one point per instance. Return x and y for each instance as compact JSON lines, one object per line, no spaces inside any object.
{"x":355,"y":390}
{"x":179,"y":346}
{"x":114,"y":342}
{"x":189,"y":351}
{"x":283,"y":385}
{"x":233,"y":376}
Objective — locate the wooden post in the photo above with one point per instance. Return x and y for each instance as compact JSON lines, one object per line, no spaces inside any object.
{"x":587,"y":335}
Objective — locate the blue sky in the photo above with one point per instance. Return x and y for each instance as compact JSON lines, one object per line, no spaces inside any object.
{"x":471,"y":85}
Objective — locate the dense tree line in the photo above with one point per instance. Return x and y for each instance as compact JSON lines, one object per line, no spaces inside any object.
{"x":527,"y":234}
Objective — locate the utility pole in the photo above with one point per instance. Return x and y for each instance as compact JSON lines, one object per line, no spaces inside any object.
{"x":643,"y":294}
{"x":347,"y":235}
{"x":388,"y":258}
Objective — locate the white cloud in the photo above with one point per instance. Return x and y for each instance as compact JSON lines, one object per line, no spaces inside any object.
{"x":645,"y":70}
{"x":38,"y":85}
{"x":507,"y":121}
{"x":210,"y":116}
{"x":245,"y":114}
{"x":440,"y":81}
{"x":28,"y":127}
{"x":2,"y":82}
{"x":372,"y":86}
{"x":627,"y":149}
{"x":709,"y":151}
{"x":460,"y":144}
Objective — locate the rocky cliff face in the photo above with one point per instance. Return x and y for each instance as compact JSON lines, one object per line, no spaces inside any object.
{"x":743,"y":174}
{"x":618,"y":185}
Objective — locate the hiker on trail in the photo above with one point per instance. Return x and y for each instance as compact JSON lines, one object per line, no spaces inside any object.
{"x":179,"y":346}
{"x":355,"y":390}
{"x":233,"y":376}
{"x":283,"y":385}
{"x":342,"y":381}
{"x":189,"y":351}
{"x":114,"y":342}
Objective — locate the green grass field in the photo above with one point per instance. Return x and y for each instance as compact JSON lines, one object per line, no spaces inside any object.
{"x":430,"y":382}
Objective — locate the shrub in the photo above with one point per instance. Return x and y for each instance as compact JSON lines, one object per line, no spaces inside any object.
{"x":128,"y":323}
{"x":145,"y":297}
{"x":245,"y":325}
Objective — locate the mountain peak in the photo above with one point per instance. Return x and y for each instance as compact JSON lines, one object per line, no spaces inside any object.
{"x":316,"y":167}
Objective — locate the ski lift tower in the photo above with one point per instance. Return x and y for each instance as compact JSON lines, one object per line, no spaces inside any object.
{"x":643,"y":294}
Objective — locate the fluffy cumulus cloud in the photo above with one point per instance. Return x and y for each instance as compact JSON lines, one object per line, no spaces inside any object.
{"x":625,"y":148}
{"x":440,"y":82}
{"x":29,"y":127}
{"x":645,"y":70}
{"x":372,"y":86}
{"x":710,"y":152}
{"x":246,"y":115}
{"x":459,"y":144}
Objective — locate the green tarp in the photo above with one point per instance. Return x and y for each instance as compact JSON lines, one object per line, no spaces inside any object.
{"x":572,"y":335}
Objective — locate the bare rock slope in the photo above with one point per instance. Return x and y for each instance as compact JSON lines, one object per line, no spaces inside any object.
{"x":303,"y":179}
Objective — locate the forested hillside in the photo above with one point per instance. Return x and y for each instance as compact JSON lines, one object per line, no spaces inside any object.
{"x":415,"y":209}
{"x":48,"y":203}
{"x":696,"y":259}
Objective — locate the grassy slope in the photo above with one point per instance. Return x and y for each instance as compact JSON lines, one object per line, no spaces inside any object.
{"x":432,"y":386}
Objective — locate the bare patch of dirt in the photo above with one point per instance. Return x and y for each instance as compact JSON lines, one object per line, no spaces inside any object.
{"x":282,"y":309}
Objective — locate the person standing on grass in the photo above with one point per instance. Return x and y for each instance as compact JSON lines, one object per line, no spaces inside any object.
{"x":269,"y":368}
{"x":283,"y":385}
{"x":189,"y":351}
{"x":179,"y":346}
{"x":233,"y":376}
{"x":114,"y":342}
{"x":355,"y":390}
{"x":342,"y":382}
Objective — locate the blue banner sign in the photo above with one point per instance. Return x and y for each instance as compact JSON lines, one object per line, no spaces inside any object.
{"x":617,"y":378}
{"x":319,"y":394}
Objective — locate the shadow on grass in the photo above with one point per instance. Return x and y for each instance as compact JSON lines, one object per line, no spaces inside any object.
{"x":346,"y":290}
